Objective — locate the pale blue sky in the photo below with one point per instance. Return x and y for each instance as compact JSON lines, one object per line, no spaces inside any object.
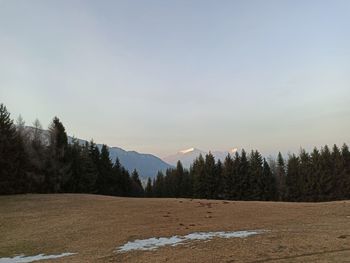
{"x":160,"y":76}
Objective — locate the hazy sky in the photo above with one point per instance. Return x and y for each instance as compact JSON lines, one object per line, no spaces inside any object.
{"x":160,"y":76}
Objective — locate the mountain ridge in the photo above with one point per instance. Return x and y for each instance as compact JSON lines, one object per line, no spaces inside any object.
{"x":187,"y":156}
{"x":146,"y":164}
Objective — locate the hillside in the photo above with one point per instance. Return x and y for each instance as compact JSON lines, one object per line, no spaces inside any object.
{"x":95,"y":227}
{"x":146,"y":164}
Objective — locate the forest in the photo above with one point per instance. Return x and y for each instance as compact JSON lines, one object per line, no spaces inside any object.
{"x":33,"y":162}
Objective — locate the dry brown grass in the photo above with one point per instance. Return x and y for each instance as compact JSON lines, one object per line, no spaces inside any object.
{"x":93,"y":226}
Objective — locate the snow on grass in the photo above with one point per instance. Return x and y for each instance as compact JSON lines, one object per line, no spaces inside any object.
{"x":154,"y":243}
{"x":24,"y":259}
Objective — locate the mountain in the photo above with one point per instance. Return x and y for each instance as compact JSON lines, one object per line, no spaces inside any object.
{"x":185,"y":156}
{"x":147,"y":165}
{"x":189,"y":155}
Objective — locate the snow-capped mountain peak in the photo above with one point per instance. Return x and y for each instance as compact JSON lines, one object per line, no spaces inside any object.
{"x":187,"y":150}
{"x":189,"y":155}
{"x":233,"y":150}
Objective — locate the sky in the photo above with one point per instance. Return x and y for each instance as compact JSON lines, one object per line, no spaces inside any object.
{"x":159,"y":76}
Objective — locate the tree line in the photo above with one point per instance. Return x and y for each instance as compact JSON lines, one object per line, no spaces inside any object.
{"x":29,"y":163}
{"x":34,"y":162}
{"x":322,"y":175}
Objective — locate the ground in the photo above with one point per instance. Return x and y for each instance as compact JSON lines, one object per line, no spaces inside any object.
{"x":94,"y":226}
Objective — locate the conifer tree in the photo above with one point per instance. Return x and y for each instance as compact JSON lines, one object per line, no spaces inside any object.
{"x":255,"y":190}
{"x":187,"y":185}
{"x":104,"y":182}
{"x":326,"y":175}
{"x":12,"y":156}
{"x":57,"y":165}
{"x":178,"y":179}
{"x":280,"y":176}
{"x":338,"y":168}
{"x":37,"y":155}
{"x":292,"y":179}
{"x":269,"y":187}
{"x":314,"y":181}
{"x":199,"y":177}
{"x":158,"y":185}
{"x":210,"y":177}
{"x":243,"y":177}
{"x":305,"y":180}
{"x":148,"y":189}
{"x":345,"y":153}
{"x":88,"y":172}
{"x":229,"y":178}
{"x":137,"y":190}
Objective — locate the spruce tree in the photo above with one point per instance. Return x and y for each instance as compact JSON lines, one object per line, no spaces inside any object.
{"x":13,"y":160}
{"x":104,"y":182}
{"x":178,"y":179}
{"x":158,"y":185}
{"x":292,"y":179}
{"x":338,"y":168}
{"x":314,"y":181}
{"x":281,"y":176}
{"x":305,"y":183}
{"x":256,"y":183}
{"x":243,"y":177}
{"x":345,"y":177}
{"x":326,"y":175}
{"x":37,"y":154}
{"x":269,"y":186}
{"x":199,"y":177}
{"x":137,"y":190}
{"x":229,"y":178}
{"x":210,"y":177}
{"x":148,"y":189}
{"x":57,"y":163}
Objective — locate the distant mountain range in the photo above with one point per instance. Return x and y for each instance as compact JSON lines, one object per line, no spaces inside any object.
{"x":147,"y":165}
{"x":189,"y":155}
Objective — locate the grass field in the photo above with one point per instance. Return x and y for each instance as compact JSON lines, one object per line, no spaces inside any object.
{"x":94,"y":226}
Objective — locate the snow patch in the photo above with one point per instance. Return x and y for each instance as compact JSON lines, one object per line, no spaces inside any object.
{"x":233,"y":150}
{"x":24,"y":259}
{"x":154,"y":243}
{"x":187,"y":151}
